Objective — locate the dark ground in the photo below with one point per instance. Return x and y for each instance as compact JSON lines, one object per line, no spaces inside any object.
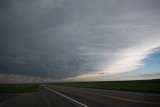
{"x":104,"y":98}
{"x":147,"y":86}
{"x":43,"y":98}
{"x":89,"y":97}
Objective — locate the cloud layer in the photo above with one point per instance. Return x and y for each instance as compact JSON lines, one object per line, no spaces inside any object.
{"x":62,"y":39}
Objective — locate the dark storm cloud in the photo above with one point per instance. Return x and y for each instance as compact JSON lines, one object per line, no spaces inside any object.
{"x":58,"y":39}
{"x":33,"y":41}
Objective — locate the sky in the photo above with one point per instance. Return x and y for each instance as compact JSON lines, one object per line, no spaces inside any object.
{"x":79,"y":40}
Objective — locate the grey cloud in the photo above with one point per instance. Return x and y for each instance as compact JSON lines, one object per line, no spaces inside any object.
{"x":149,"y":75}
{"x":59,"y":39}
{"x":14,"y":78}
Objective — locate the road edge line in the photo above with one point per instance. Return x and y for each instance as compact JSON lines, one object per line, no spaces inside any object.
{"x":68,"y":98}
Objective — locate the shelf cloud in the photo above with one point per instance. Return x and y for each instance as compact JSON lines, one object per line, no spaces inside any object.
{"x":61,"y":39}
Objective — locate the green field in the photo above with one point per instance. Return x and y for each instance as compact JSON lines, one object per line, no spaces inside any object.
{"x":19,"y":88}
{"x":141,"y":86}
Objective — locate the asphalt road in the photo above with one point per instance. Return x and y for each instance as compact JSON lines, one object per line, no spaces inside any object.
{"x":44,"y":98}
{"x":103,"y":98}
{"x":54,"y":96}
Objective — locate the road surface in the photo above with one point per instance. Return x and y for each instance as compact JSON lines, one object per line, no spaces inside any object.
{"x":54,"y":96}
{"x":103,"y":98}
{"x":44,"y":98}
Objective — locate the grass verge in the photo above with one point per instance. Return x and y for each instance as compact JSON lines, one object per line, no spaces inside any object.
{"x":140,"y":86}
{"x":19,"y":88}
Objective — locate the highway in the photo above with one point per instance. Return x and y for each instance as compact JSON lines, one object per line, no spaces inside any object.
{"x":44,"y":98}
{"x":55,"y":96}
{"x":103,"y":98}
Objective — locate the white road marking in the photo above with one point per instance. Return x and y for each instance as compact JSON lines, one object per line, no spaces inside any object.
{"x":72,"y":100}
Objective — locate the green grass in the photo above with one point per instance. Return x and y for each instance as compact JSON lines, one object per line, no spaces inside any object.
{"x":19,"y":88}
{"x":141,"y":86}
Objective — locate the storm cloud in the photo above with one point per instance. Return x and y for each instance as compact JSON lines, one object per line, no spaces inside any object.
{"x":71,"y":38}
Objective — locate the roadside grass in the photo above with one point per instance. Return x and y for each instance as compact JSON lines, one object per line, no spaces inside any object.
{"x":139,"y":85}
{"x":19,"y":88}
